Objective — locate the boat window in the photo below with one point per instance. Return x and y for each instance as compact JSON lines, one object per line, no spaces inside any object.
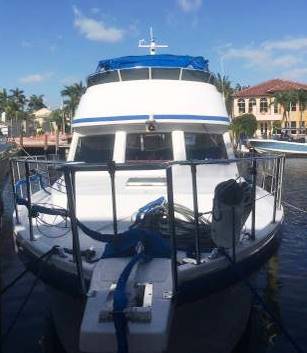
{"x":149,"y":147}
{"x":202,"y":146}
{"x":95,"y":149}
{"x":194,"y":75}
{"x":134,"y":74}
{"x":165,"y":74}
{"x":103,"y":77}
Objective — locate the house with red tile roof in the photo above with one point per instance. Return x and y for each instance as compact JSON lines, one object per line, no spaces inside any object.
{"x":259,"y":100}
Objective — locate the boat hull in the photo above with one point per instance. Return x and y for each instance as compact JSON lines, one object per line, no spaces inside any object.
{"x":291,"y":148}
{"x":189,"y":290}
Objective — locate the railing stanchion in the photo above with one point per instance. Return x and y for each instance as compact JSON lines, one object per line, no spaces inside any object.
{"x":254,"y":181}
{"x":28,"y":184}
{"x":74,"y":229}
{"x":111,"y":166}
{"x":172,"y":225}
{"x":276,"y":188}
{"x":13,"y":181}
{"x":196,"y":213}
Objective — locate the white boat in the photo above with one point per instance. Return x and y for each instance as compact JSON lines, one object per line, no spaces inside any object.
{"x":152,"y":218}
{"x":279,"y":146}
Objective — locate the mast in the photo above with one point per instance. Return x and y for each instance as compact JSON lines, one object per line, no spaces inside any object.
{"x":152,"y":45}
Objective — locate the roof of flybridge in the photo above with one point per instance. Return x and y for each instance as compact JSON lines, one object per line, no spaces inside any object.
{"x":163,"y":60}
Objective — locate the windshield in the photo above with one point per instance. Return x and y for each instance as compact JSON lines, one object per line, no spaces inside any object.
{"x":204,"y":146}
{"x":149,"y":147}
{"x":95,"y":148}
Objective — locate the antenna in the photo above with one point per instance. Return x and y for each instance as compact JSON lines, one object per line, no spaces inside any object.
{"x":152,"y":44}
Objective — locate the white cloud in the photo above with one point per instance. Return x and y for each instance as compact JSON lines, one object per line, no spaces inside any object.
{"x":299,"y":73}
{"x":268,"y":55}
{"x":189,"y":5}
{"x":96,"y":30}
{"x":286,"y":44}
{"x":35,"y":78}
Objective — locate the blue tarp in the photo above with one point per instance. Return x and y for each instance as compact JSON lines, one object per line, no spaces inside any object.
{"x":163,"y":60}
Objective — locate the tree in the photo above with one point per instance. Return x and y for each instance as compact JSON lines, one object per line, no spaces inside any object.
{"x":243,"y":126}
{"x":35,"y":103}
{"x":285,"y":99}
{"x":223,"y":85}
{"x":301,"y":96}
{"x":57,"y":117}
{"x":73,"y":94}
{"x":17,"y":107}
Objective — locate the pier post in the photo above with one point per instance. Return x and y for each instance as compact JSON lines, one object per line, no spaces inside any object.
{"x":172,"y":225}
{"x":254,"y":180}
{"x":112,"y":167}
{"x":13,"y":181}
{"x":276,"y":187}
{"x":74,"y":229}
{"x":29,"y":200}
{"x":196,"y":213}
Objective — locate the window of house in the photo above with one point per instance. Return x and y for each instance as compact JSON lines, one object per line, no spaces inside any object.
{"x":293,"y":107}
{"x":263,"y":105}
{"x":149,"y":147}
{"x":251,"y":104}
{"x":261,"y":128}
{"x":95,"y":148}
{"x":241,"y":106}
{"x":293,"y":127}
{"x":276,"y":110}
{"x":200,"y":146}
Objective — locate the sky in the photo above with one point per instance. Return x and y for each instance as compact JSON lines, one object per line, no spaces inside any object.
{"x":45,"y":45}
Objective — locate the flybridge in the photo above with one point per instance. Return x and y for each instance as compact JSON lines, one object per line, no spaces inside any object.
{"x":161,"y":61}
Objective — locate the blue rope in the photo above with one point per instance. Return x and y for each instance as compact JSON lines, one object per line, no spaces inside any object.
{"x":120,"y":302}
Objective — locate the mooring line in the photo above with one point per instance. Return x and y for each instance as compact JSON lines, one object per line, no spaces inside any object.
{"x":294,"y":207}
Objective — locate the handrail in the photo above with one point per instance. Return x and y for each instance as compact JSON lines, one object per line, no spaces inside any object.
{"x":70,"y":168}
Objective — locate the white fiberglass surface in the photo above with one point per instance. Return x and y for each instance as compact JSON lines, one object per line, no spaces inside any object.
{"x":147,"y":97}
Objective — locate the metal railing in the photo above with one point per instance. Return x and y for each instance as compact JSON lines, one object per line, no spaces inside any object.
{"x":265,"y":172}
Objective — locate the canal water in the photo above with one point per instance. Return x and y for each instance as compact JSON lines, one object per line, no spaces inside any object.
{"x":282,"y":284}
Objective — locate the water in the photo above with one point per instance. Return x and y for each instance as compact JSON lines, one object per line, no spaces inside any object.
{"x":282,"y":283}
{"x":283,"y":280}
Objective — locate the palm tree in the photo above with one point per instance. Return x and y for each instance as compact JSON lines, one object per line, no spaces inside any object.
{"x":302,"y":103}
{"x":19,"y":101}
{"x":35,"y":103}
{"x":73,"y":94}
{"x":223,"y":85}
{"x":285,"y":99}
{"x":4,"y":98}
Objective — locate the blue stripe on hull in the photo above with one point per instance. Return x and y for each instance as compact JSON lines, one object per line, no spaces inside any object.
{"x":204,"y":118}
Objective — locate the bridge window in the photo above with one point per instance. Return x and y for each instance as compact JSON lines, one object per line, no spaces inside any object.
{"x":150,"y":147}
{"x":103,"y":77}
{"x":241,"y":106}
{"x":200,"y":146}
{"x":165,"y":74}
{"x":195,"y":75}
{"x":134,"y":74}
{"x":95,"y":148}
{"x":263,"y":105}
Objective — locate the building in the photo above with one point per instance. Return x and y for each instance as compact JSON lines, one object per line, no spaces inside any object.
{"x":259,"y":101}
